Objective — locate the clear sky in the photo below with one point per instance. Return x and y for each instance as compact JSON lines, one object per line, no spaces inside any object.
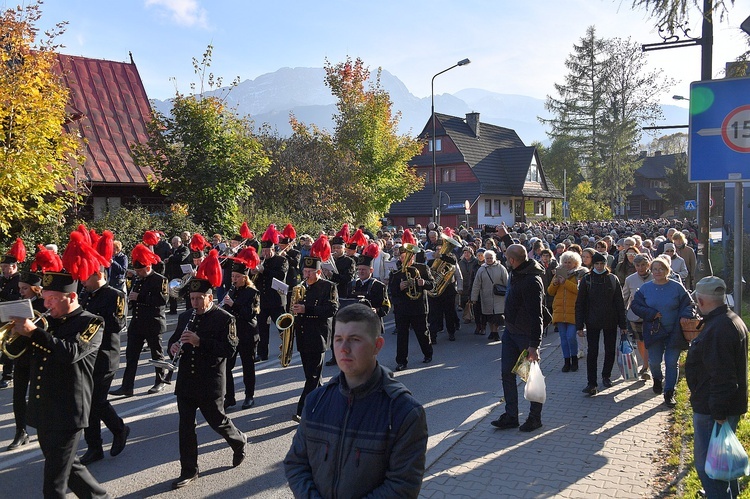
{"x":516,"y":47}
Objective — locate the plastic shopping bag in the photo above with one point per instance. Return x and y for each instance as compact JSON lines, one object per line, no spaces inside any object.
{"x":626,"y":359}
{"x":726,"y":459}
{"x":535,"y":389}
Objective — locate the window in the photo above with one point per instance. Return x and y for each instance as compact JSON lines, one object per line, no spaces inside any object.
{"x":492,"y":207}
{"x":448,"y":174}
{"x":438,"y":144}
{"x":539,"y":207}
{"x":410,"y":221}
{"x":533,"y":174}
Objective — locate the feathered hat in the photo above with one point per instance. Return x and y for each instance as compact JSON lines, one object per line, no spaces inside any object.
{"x":84,"y":232}
{"x":105,"y":246}
{"x":141,"y":256}
{"x":371,"y":252}
{"x":80,"y":259}
{"x":408,"y":238}
{"x":150,"y":238}
{"x":94,"y":237}
{"x":342,"y":236}
{"x":246,"y":260}
{"x":270,"y":237}
{"x":358,"y":240}
{"x":46,"y":261}
{"x":245,"y":234}
{"x":197,"y":244}
{"x":288,"y":234}
{"x":208,"y":274}
{"x":16,"y":254}
{"x":319,"y":252}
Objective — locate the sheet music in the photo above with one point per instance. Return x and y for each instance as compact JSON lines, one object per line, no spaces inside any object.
{"x":327,"y":266}
{"x":279,"y":286}
{"x":186,"y":269}
{"x":16,"y":308}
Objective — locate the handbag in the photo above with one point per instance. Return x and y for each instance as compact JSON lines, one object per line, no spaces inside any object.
{"x":627,"y":360}
{"x":497,"y":289}
{"x":725,"y":458}
{"x":654,"y":331}
{"x":468,"y":312}
{"x":692,"y":328}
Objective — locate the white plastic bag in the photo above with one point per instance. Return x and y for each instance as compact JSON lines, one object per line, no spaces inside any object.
{"x":725,"y":459}
{"x":535,"y":389}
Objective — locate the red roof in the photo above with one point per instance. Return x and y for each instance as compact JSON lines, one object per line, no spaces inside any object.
{"x":110,"y":109}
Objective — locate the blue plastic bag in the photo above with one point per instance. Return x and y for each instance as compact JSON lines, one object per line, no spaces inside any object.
{"x":726,"y":459}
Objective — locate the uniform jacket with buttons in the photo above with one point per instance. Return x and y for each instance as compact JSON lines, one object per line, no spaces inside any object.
{"x":149,"y":310}
{"x":62,"y":366}
{"x":245,"y":309}
{"x":202,"y":369}
{"x":9,"y":287}
{"x":402,"y":304}
{"x":372,"y":290}
{"x":313,"y":327}
{"x":275,"y":267}
{"x":108,"y":303}
{"x":347,"y":268}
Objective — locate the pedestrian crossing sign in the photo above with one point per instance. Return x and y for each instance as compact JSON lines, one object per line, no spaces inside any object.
{"x":690,"y":205}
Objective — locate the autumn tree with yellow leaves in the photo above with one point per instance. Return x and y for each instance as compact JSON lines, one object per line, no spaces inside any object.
{"x":37,"y":155}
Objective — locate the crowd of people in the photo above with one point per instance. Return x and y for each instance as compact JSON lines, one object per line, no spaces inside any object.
{"x":587,"y":281}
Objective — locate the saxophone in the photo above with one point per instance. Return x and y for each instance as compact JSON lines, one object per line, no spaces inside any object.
{"x":285,"y":325}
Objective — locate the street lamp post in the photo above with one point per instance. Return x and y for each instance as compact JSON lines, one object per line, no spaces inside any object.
{"x":435,"y":201}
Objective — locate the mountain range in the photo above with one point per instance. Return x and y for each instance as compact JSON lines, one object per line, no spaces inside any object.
{"x":272,"y":97}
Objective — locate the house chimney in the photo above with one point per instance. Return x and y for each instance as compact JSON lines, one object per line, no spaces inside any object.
{"x":657,"y":153}
{"x":472,"y":119}
{"x":642,"y":154}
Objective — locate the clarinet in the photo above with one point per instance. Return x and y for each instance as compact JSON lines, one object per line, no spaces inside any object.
{"x":188,"y":327}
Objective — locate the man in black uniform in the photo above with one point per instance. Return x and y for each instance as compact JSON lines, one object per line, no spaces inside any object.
{"x":101,"y":299}
{"x":406,"y":287}
{"x":272,"y":303}
{"x":179,"y":256}
{"x":367,"y":287}
{"x":207,"y":337}
{"x":293,"y":258}
{"x":148,"y":300}
{"x":345,"y":270}
{"x":443,"y":307}
{"x":312,"y":324}
{"x":62,"y":363}
{"x":9,"y":292}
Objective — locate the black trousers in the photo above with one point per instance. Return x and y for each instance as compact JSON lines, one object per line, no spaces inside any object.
{"x":513,"y":345}
{"x":102,"y":411}
{"x":246,"y":349}
{"x":20,"y":388}
{"x":213,"y":411}
{"x":443,"y":308}
{"x":610,"y":345}
{"x":7,"y":367}
{"x":264,"y":328}
{"x":419,"y":324}
{"x":62,"y":469}
{"x":133,"y":354}
{"x":312,"y":364}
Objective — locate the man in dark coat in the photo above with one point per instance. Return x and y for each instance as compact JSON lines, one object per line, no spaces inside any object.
{"x":272,"y":303}
{"x":345,"y":272}
{"x":312,"y":325}
{"x":410,"y":312}
{"x":366,"y":287}
{"x":523,"y":329}
{"x":101,"y":299}
{"x":62,"y":364}
{"x":179,"y":256}
{"x":207,"y":337}
{"x":716,"y":373}
{"x":8,"y":292}
{"x":148,"y":300}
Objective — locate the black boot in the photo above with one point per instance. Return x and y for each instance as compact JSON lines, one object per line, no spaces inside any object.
{"x":566,"y":367}
{"x":574,"y":363}
{"x":22,"y":438}
{"x":669,"y":399}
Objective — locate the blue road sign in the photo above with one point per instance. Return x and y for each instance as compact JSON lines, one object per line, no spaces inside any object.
{"x":690,"y":205}
{"x":719,"y":140}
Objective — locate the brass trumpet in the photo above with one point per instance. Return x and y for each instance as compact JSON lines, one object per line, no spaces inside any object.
{"x":285,"y":325}
{"x":412,"y":274}
{"x":7,"y":337}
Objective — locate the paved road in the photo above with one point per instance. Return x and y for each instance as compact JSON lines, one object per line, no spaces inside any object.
{"x":459,"y":385}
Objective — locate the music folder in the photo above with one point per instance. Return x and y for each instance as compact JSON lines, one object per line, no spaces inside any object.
{"x":16,"y":308}
{"x":279,"y":286}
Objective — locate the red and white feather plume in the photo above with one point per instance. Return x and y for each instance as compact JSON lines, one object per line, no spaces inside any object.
{"x":46,"y":261}
{"x":80,"y":259}
{"x":321,"y":248}
{"x":210,"y":269}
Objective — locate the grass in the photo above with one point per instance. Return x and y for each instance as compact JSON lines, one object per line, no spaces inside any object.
{"x":680,"y":456}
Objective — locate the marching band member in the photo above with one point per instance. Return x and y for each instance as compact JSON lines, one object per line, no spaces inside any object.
{"x":62,"y":360}
{"x":358,"y":240}
{"x":345,"y":269}
{"x":367,"y":286}
{"x":293,"y":257}
{"x":272,"y":303}
{"x":410,"y":312}
{"x":207,"y":337}
{"x":101,"y":299}
{"x":9,"y":292}
{"x":162,"y":249}
{"x":29,"y":287}
{"x":442,"y":308}
{"x":148,"y":301}
{"x":243,"y":302}
{"x":313,"y":318}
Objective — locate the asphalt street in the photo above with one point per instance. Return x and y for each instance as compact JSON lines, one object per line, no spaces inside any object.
{"x":459,"y":386}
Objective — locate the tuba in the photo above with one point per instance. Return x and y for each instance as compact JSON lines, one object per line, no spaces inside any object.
{"x":177,"y":285}
{"x":412,"y":274}
{"x":7,"y":337}
{"x":442,"y":267}
{"x":285,"y":325}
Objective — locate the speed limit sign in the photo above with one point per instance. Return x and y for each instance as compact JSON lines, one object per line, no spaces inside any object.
{"x":735,"y":130}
